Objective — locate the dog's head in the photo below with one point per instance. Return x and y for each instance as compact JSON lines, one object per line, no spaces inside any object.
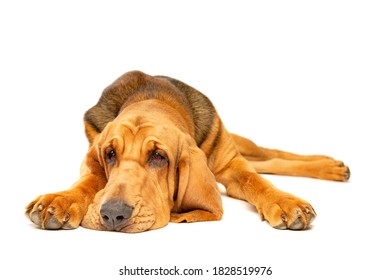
{"x":153,"y":167}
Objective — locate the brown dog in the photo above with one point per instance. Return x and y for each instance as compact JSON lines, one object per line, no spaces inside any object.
{"x":157,"y":150}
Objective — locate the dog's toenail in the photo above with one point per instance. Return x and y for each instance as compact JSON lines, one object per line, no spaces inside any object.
{"x":281,"y":226}
{"x":297,"y":224}
{"x":51,"y":210}
{"x":66,"y":217}
{"x":35,"y":218}
{"x":52,"y":223}
{"x":347,"y":174}
{"x":40,"y":207}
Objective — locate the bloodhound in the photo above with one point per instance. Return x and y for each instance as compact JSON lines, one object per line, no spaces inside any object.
{"x":157,"y":150}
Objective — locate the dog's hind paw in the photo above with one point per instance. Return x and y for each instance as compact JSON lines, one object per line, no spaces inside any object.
{"x":330,"y":169}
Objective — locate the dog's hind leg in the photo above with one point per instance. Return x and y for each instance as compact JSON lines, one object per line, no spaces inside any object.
{"x":284,"y":163}
{"x":251,"y":151}
{"x":326,"y":169}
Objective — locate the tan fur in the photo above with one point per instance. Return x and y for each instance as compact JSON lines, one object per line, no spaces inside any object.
{"x":139,"y":115}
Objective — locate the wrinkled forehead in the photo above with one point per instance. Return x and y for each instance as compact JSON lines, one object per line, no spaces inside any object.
{"x":139,"y":134}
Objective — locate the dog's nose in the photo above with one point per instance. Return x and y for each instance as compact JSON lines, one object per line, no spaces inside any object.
{"x":115,"y":213}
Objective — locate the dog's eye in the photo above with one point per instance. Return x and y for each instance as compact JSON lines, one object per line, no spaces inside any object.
{"x":157,"y":159}
{"x":110,"y":156}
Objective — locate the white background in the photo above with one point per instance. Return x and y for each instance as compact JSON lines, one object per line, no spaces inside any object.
{"x":302,"y":76}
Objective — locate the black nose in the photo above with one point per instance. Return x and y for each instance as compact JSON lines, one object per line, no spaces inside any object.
{"x":115,"y":213}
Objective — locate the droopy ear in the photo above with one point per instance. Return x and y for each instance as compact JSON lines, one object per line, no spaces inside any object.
{"x":93,"y":167}
{"x":93,"y":162}
{"x":198,"y":197}
{"x":96,"y":156}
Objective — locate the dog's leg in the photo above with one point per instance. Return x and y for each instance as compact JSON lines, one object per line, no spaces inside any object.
{"x":66,"y":209}
{"x":282,"y":210}
{"x":284,"y":163}
{"x":326,"y":169}
{"x":251,"y":151}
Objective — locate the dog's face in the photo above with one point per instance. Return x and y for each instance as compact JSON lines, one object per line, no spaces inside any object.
{"x":147,"y":164}
{"x":138,"y":161}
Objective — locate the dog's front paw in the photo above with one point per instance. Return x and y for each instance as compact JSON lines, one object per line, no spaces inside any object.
{"x":62,"y":210}
{"x":285,"y":211}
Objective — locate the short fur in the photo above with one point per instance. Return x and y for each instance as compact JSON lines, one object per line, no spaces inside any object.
{"x":157,"y":150}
